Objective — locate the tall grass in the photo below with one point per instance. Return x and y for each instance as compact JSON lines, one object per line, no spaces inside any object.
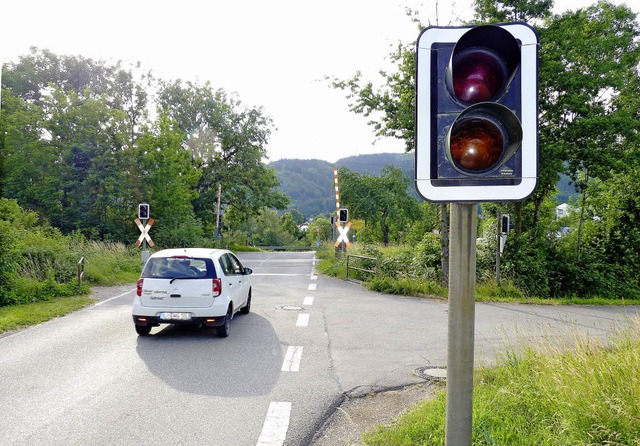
{"x":586,"y":395}
{"x":108,"y":263}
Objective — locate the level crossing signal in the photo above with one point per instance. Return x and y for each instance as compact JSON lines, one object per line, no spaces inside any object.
{"x":477,"y":113}
{"x":343,"y":215}
{"x":143,"y":211}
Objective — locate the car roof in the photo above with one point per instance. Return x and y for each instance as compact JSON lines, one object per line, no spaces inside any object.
{"x":189,"y":252}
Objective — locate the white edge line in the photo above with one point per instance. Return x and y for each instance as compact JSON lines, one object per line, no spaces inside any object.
{"x":114,"y":297}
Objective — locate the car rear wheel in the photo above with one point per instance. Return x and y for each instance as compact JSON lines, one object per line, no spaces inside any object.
{"x":247,"y":308}
{"x":223,"y":330}
{"x":143,"y":330}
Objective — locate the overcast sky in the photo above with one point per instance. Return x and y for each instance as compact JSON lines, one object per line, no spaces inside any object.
{"x":273,"y":53}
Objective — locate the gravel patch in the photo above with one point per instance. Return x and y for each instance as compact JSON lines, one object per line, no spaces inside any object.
{"x":360,"y":414}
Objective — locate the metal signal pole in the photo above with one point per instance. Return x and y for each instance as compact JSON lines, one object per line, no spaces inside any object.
{"x":460,"y":338}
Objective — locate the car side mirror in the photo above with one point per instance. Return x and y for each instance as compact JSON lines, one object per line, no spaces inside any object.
{"x":248,"y":271}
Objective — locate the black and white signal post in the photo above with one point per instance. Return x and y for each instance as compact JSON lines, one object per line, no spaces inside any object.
{"x":144,"y":224}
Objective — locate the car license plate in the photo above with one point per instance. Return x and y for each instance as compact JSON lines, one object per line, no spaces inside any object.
{"x":175,"y":316}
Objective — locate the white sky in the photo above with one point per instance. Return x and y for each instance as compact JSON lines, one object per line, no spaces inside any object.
{"x":273,"y":53}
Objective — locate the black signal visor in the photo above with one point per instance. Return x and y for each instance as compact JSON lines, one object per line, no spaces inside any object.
{"x":482,"y":64}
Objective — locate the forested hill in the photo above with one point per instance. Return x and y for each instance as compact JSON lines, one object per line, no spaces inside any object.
{"x":309,"y":183}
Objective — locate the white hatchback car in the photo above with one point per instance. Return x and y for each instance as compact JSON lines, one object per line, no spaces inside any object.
{"x":191,"y":286}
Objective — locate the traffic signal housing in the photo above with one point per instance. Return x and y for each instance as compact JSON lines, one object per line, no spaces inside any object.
{"x":343,"y":215}
{"x":143,"y":211}
{"x":505,"y":224}
{"x":477,"y":113}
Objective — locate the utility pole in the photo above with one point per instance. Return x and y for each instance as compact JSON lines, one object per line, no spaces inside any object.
{"x":218,"y":232}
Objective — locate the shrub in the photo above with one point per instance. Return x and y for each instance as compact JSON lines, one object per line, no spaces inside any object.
{"x":396,"y":265}
{"x":405,"y":287}
{"x":427,"y":258}
{"x":34,"y":256}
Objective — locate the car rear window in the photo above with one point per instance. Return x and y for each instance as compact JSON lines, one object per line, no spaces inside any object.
{"x":172,"y":267}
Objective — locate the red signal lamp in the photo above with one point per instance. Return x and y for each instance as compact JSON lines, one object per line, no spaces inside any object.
{"x":482,"y":138}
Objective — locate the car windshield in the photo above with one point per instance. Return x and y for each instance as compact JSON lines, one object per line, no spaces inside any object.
{"x":179,"y":267}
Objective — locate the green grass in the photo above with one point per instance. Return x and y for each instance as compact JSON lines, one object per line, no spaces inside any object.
{"x":106,"y":264}
{"x":110,"y":264}
{"x":15,"y":317}
{"x":586,"y":395}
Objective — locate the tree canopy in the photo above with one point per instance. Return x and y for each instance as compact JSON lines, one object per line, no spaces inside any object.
{"x":589,"y":102}
{"x":84,"y":141}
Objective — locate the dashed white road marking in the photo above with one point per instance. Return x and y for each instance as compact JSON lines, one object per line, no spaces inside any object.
{"x":274,"y":430}
{"x":312,"y":287}
{"x":314,"y":277}
{"x":303,"y":320}
{"x":308,"y":300}
{"x":292,"y":359}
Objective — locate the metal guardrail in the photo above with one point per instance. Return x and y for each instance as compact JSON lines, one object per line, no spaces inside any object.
{"x":80,"y":270}
{"x":357,"y":268}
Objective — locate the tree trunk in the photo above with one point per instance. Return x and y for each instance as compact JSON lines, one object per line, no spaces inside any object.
{"x":385,"y":228}
{"x":444,"y":241}
{"x":583,"y":205}
{"x":518,"y":223}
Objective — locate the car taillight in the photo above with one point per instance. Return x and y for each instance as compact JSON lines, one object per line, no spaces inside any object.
{"x":217,"y":287}
{"x":139,"y":287}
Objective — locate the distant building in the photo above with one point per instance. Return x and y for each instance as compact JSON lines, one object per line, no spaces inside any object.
{"x":563,"y":210}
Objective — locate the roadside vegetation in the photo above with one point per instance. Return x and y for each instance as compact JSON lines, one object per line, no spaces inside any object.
{"x":83,"y":142}
{"x":403,"y":270}
{"x":39,"y":268}
{"x":549,"y":396}
{"x":588,"y":112}
{"x":39,"y":263}
{"x":15,"y":317}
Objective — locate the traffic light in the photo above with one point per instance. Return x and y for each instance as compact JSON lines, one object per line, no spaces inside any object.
{"x":504,"y":224}
{"x":477,"y":113}
{"x":143,"y":211}
{"x":343,"y":215}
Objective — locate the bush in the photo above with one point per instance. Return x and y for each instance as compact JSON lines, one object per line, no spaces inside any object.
{"x":405,"y":287}
{"x":427,"y":258}
{"x":396,"y":265}
{"x":178,"y":233}
{"x":38,"y":263}
{"x":526,"y":264}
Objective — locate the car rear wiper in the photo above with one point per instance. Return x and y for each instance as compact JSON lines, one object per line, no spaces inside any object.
{"x":176,"y":278}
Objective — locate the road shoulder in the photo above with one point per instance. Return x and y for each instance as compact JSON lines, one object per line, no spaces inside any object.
{"x":360,"y":413}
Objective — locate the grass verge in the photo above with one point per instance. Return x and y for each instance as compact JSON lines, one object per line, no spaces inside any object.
{"x":15,"y":317}
{"x":587,"y":395}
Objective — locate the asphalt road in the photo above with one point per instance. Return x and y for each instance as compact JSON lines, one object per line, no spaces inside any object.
{"x":87,"y":378}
